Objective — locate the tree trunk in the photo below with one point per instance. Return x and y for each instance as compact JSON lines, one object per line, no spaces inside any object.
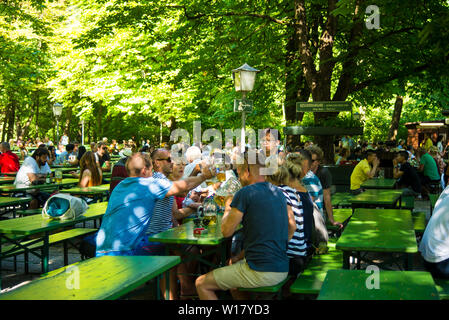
{"x":396,"y":117}
{"x":12,"y":114}
{"x":296,"y":88}
{"x":5,"y":122}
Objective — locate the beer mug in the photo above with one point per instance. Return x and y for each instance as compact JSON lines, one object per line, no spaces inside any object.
{"x":58,"y":176}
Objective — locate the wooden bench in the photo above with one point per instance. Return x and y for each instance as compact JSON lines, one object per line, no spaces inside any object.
{"x":442,"y":286}
{"x":277,"y":289}
{"x":408,"y":202}
{"x":433,"y":199}
{"x":28,"y":212}
{"x":311,"y":280}
{"x":340,"y":215}
{"x":419,"y":221}
{"x":101,"y":278}
{"x":339,"y":199}
{"x":65,"y":237}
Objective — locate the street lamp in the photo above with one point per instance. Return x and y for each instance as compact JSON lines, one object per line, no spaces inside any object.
{"x":244,"y":78}
{"x":57,"y":111}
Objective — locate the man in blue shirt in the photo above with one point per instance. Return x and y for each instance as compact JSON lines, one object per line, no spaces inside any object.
{"x":131,"y":205}
{"x":262,"y":210}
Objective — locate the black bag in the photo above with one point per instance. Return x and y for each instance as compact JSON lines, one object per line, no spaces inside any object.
{"x":87,"y":247}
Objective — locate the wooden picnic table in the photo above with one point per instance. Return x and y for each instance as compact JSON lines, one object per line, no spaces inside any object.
{"x":7,"y":180}
{"x":63,"y":167}
{"x":9,"y":174}
{"x":393,"y":285}
{"x":183,"y":235}
{"x":102,"y":278}
{"x":379,"y":230}
{"x":15,"y":230}
{"x":376,"y":197}
{"x":13,"y":201}
{"x":379,"y":183}
{"x":68,"y":175}
{"x":11,"y":188}
{"x":96,"y":193}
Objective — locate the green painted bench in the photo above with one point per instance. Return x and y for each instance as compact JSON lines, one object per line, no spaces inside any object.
{"x":433,"y":199}
{"x":100,"y":278}
{"x":442,"y":286}
{"x":340,"y":199}
{"x":269,"y":289}
{"x":419,"y":221}
{"x":28,"y":212}
{"x":65,"y":237}
{"x":311,"y":280}
{"x":408,"y":202}
{"x":340,"y":215}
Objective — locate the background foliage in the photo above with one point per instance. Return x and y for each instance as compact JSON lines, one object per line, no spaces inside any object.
{"x":126,"y":67}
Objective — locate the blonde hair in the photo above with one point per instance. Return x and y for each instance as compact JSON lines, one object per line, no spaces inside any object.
{"x":289,"y":169}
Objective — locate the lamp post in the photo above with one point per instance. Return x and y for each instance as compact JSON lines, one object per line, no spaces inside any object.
{"x":57,"y":111}
{"x":244,"y":78}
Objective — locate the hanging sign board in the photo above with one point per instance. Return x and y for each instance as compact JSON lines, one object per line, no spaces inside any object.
{"x":323,"y":106}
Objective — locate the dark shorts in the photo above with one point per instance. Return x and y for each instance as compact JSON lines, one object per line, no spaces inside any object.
{"x":438,"y":270}
{"x":297,"y":265}
{"x":40,"y":196}
{"x":356,"y":191}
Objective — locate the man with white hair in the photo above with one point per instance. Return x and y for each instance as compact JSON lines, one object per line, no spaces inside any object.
{"x":193,"y":157}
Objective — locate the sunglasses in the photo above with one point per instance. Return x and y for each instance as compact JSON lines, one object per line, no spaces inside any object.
{"x":168,"y":159}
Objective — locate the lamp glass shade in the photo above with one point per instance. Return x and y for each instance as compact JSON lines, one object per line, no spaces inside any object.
{"x":244,"y":78}
{"x":57,"y":109}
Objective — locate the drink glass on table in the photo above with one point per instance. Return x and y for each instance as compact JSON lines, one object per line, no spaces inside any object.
{"x":58,"y":176}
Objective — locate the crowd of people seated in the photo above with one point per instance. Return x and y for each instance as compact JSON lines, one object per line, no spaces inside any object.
{"x":155,"y":189}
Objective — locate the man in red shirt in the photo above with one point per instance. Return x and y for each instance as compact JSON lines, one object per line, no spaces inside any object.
{"x":9,"y":162}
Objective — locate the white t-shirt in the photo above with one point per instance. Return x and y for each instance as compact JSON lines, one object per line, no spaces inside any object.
{"x":64,"y":140}
{"x":434,"y":245}
{"x":29,"y":166}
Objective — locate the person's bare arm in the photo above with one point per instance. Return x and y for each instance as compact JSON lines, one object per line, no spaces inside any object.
{"x":179,"y":214}
{"x":189,"y":183}
{"x":372,"y":173}
{"x":329,"y":210}
{"x":34,"y":177}
{"x":85,"y":179}
{"x":232,"y":217}
{"x":291,"y":222}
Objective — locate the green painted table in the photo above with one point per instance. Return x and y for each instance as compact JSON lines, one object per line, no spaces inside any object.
{"x":64,"y":168}
{"x":102,"y":278}
{"x":183,"y":235}
{"x":16,"y":230}
{"x":10,"y":174}
{"x":379,"y":183}
{"x":393,"y":285}
{"x":11,"y":188}
{"x":96,"y":193}
{"x":340,"y":199}
{"x":68,"y":175}
{"x":7,"y":180}
{"x":376,"y":197}
{"x":379,"y":230}
{"x":12,"y":202}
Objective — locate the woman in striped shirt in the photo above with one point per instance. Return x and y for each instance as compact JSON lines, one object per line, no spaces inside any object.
{"x":288,"y":178}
